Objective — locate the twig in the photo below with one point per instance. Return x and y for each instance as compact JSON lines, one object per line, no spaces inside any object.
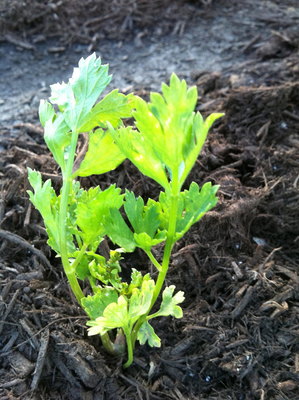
{"x":41,"y":330}
{"x":30,"y":128}
{"x":291,"y":115}
{"x":18,"y":240}
{"x":9,"y":308}
{"x":243,"y":303}
{"x":65,"y":371}
{"x":251,"y":43}
{"x":14,"y":382}
{"x":269,"y":256}
{"x":18,"y":42}
{"x":40,"y":359}
{"x":29,"y":331}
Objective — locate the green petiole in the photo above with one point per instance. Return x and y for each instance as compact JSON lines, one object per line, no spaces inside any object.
{"x":154,"y":260}
{"x":165,"y":262}
{"x":69,"y":269}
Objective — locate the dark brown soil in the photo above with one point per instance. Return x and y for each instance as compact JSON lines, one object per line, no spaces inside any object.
{"x":238,"y":339}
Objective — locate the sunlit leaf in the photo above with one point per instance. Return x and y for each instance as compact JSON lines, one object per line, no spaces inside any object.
{"x":139,"y":150}
{"x":44,"y":199}
{"x":77,"y":97}
{"x":95,"y":305}
{"x":141,"y":299}
{"x":112,"y":108}
{"x":170,"y":134}
{"x":58,"y":137}
{"x":114,"y":316}
{"x":46,"y":112}
{"x":93,"y":207}
{"x":102,"y":155}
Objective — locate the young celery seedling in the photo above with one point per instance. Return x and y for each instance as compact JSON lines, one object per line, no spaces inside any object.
{"x":164,"y":146}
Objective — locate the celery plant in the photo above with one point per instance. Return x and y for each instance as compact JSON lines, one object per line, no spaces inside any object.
{"x":164,"y":145}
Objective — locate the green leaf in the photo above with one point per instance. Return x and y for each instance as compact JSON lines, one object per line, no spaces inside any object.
{"x":193,"y":204}
{"x":71,"y":222}
{"x":46,"y":112}
{"x":56,"y":133}
{"x":196,"y":203}
{"x":134,"y":209}
{"x":97,"y":269}
{"x":169,"y":304}
{"x":82,"y":269}
{"x":167,"y":119}
{"x":136,"y":281}
{"x":45,"y":200}
{"x":144,"y":220}
{"x":146,"y":333}
{"x":170,"y":134}
{"x":124,"y":315}
{"x":106,"y":271}
{"x":93,"y":208}
{"x":164,"y":207}
{"x":77,"y":97}
{"x":178,"y":95}
{"x":194,"y":142}
{"x":139,"y":150}
{"x":145,"y":242}
{"x":136,"y":278}
{"x":114,"y":316}
{"x":118,"y":231}
{"x":95,"y":305}
{"x":102,"y":155}
{"x":112,"y":108}
{"x":141,"y":299}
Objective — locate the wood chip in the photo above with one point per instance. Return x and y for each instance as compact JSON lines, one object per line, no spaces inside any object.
{"x":9,"y":309}
{"x":44,"y":341}
{"x":287,"y":386}
{"x":237,"y":270}
{"x":25,"y":324}
{"x":243,"y":302}
{"x":18,"y":240}
{"x":18,"y":42}
{"x":20,"y":364}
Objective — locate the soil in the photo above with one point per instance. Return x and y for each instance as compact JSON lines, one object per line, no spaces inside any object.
{"x":238,"y":339}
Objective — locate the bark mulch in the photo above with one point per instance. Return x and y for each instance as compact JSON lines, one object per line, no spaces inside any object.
{"x":238,"y":338}
{"x":91,"y":20}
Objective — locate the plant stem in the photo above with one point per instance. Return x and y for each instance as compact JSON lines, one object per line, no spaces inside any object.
{"x":79,"y":256}
{"x":65,"y":192}
{"x":153,"y":260}
{"x":108,"y":345}
{"x":129,"y":349}
{"x":167,"y":251}
{"x":171,"y":238}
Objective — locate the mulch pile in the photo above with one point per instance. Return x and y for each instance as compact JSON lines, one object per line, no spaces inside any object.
{"x":238,"y":338}
{"x":91,"y":20}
